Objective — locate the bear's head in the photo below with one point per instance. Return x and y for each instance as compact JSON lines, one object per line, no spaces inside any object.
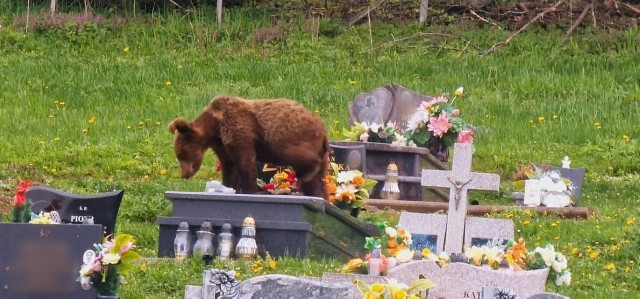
{"x":188,"y":145}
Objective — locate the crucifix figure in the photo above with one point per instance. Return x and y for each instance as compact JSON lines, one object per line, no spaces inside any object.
{"x":459,"y":180}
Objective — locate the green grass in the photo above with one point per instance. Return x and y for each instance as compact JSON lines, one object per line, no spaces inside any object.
{"x":533,"y":101}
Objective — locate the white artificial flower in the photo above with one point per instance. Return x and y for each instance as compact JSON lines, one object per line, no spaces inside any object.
{"x":110,"y":258}
{"x":411,"y":143}
{"x":399,"y":139}
{"x":349,"y":189}
{"x":392,"y":232}
{"x":374,"y":127}
{"x":364,"y":137}
{"x":554,"y":175}
{"x":443,"y":256}
{"x":85,"y":270}
{"x":548,"y":254}
{"x":407,"y":238}
{"x":560,"y":263}
{"x":394,"y":283}
{"x":346,"y":176}
{"x":563,"y":279}
{"x":365,"y":126}
{"x":404,"y":255}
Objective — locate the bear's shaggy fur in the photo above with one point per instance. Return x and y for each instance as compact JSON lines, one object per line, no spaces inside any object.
{"x":241,"y":132}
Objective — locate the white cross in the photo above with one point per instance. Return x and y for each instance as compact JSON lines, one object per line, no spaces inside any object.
{"x":459,"y":180}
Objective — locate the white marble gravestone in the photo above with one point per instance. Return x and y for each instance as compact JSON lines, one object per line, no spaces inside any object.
{"x":425,"y":229}
{"x":459,"y":180}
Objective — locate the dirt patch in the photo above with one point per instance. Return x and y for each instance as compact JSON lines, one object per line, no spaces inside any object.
{"x":5,"y":204}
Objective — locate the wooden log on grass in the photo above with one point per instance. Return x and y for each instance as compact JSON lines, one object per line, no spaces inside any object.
{"x":477,"y":210}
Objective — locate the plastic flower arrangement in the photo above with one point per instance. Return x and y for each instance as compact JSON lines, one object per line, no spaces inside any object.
{"x":557,"y":191}
{"x":436,"y":125}
{"x":21,"y":210}
{"x":283,"y":182}
{"x":347,"y":188}
{"x":373,"y":132}
{"x":112,"y":259}
{"x":519,"y":258}
{"x":43,"y":218}
{"x":393,"y":289}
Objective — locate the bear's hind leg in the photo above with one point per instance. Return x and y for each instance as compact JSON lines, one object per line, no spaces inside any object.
{"x":245,"y":170}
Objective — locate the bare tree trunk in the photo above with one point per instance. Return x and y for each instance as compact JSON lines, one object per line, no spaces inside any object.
{"x":53,"y":6}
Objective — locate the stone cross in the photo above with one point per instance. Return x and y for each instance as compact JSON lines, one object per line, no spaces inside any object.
{"x":459,"y":180}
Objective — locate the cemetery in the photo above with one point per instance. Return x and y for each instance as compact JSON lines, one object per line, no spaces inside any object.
{"x":345,"y":150}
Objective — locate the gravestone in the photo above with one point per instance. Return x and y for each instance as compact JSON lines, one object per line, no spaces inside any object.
{"x":427,"y":230}
{"x":459,"y":180}
{"x":461,"y":280}
{"x":480,"y":231}
{"x":576,"y":176}
{"x":42,"y":261}
{"x":272,"y":286}
{"x":391,"y":103}
{"x":288,"y":225}
{"x":75,"y":208}
{"x":371,"y":108}
{"x":349,"y":157}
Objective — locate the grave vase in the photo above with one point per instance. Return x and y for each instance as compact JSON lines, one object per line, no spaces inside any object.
{"x":438,"y":148}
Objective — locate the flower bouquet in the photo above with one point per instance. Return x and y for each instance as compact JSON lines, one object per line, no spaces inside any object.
{"x":283,"y":182}
{"x":21,"y":210}
{"x":519,"y":258}
{"x":347,"y":188}
{"x":104,"y":266}
{"x":394,"y":290}
{"x":556,"y":190}
{"x":373,"y":132}
{"x":436,"y":125}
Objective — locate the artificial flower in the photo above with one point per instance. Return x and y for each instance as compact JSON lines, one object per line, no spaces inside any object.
{"x":459,"y":92}
{"x":465,"y":136}
{"x":439,"y":125}
{"x":404,"y":255}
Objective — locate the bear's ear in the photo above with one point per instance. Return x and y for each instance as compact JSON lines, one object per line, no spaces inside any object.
{"x":181,"y":125}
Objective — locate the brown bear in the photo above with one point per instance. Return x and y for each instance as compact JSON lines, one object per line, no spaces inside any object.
{"x":241,"y":132}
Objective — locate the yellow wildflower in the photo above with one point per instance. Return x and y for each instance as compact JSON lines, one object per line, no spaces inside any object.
{"x":272,"y":264}
{"x":594,"y":254}
{"x":352,"y":82}
{"x":168,"y":83}
{"x":126,"y":49}
{"x":611,"y":266}
{"x":540,"y":118}
{"x":626,"y":138}
{"x":92,"y":120}
{"x":163,"y":171}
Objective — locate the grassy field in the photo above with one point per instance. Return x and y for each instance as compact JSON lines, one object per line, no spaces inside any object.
{"x":86,"y":111}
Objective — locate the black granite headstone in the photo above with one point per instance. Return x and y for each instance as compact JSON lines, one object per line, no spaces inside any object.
{"x":42,"y":261}
{"x":349,"y":157}
{"x":74,"y":208}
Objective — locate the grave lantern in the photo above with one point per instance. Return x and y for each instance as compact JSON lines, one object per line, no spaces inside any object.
{"x":182,"y":242}
{"x":204,"y":244}
{"x":375,"y":261}
{"x":225,"y":242}
{"x":391,"y":189}
{"x":247,"y":247}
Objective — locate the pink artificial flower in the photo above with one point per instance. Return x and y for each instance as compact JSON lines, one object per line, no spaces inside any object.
{"x":455,"y":112}
{"x":466,"y":136}
{"x":440,"y":125}
{"x":97,"y":266}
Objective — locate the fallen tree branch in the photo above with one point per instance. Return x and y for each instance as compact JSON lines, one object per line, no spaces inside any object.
{"x":496,"y":46}
{"x":425,"y":34}
{"x":483,"y":19}
{"x":576,"y":23}
{"x":632,"y":8}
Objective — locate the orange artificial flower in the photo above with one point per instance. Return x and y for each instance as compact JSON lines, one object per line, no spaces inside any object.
{"x":331,"y":187}
{"x":358,"y":181}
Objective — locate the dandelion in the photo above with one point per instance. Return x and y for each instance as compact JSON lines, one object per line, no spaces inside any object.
{"x":597,"y":125}
{"x":53,"y":170}
{"x":85,"y":130}
{"x":555,"y":116}
{"x":459,"y":92}
{"x":157,"y":123}
{"x":146,"y":177}
{"x":126,"y":49}
{"x":168,"y":83}
{"x":163,"y":171}
{"x":627,"y":269}
{"x":531,"y":121}
{"x":110,"y":179}
{"x":92,"y":120}
{"x":41,"y":142}
{"x":540,"y":118}
{"x":594,"y":254}
{"x":626,"y":138}
{"x":614,"y":248}
{"x":272,"y":264}
{"x":611,"y":266}
{"x":352,"y":82}
{"x":129,"y":127}
{"x":526,"y":222}
{"x":51,"y":116}
{"x":143,"y":266}
{"x":631,"y":221}
{"x":554,"y":224}
{"x":574,"y":251}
